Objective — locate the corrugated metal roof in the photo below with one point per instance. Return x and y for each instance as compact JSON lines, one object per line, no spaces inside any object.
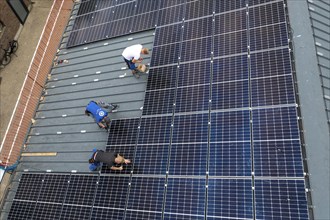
{"x":94,"y":72}
{"x":307,"y":17}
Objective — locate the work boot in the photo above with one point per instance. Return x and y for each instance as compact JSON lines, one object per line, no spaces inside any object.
{"x":135,"y":74}
{"x":114,"y":107}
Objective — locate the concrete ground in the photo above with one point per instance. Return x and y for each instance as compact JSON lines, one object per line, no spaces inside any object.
{"x":13,"y":75}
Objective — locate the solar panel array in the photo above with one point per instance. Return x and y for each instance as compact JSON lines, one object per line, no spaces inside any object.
{"x":218,"y":137}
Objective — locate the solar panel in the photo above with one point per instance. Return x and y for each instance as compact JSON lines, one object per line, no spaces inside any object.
{"x":191,"y":99}
{"x":267,"y":14}
{"x":230,"y":159}
{"x":87,"y":7}
{"x":166,"y":54}
{"x":227,"y":95}
{"x":258,"y":2}
{"x":196,"y":49}
{"x":196,"y":73}
{"x":171,"y":15}
{"x":33,"y":183}
{"x":21,"y":210}
{"x":136,"y":215}
{"x":123,"y":131}
{"x":275,"y":124}
{"x":144,"y":21}
{"x":230,"y":22}
{"x":203,"y":25}
{"x":120,"y":27}
{"x":231,"y":68}
{"x":151,"y":159}
{"x":168,"y":34}
{"x":105,"y":3}
{"x":46,"y":211}
{"x":146,"y":194}
{"x":188,"y":159}
{"x":179,"y":196}
{"x":104,"y":213}
{"x":102,"y":16}
{"x":272,"y":91}
{"x":218,"y":137}
{"x":190,"y":128}
{"x":165,"y":4}
{"x":230,"y":126}
{"x":280,"y":199}
{"x":53,"y":188}
{"x":155,"y":130}
{"x":200,"y":8}
{"x":224,"y":5}
{"x":123,"y":11}
{"x":158,"y":102}
{"x":111,"y":192}
{"x":81,"y":190}
{"x":270,"y":63}
{"x":267,"y":37}
{"x":230,"y":43}
{"x":75,"y":212}
{"x":230,"y":199}
{"x":81,"y":22}
{"x":286,"y":158}
{"x":162,"y":78}
{"x":143,"y":6}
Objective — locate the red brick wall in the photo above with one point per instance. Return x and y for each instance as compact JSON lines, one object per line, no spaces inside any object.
{"x":26,"y":107}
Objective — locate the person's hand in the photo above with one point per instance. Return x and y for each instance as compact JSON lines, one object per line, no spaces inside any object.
{"x":127,"y":161}
{"x":120,"y":168}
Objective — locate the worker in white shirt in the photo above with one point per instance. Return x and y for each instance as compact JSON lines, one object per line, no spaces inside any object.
{"x":132,"y":55}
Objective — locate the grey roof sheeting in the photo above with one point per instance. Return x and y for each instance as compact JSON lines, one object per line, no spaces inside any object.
{"x":94,"y":72}
{"x":314,"y":117}
{"x":320,"y":20}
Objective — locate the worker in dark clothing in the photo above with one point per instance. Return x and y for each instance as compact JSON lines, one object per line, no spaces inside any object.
{"x":99,"y":114}
{"x":114,"y":160}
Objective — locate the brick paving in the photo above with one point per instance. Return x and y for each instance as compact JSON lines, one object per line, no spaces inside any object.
{"x":32,"y":88}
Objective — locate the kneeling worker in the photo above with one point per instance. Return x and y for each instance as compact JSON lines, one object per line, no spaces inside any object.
{"x":114,"y":160}
{"x":132,"y":55}
{"x":99,"y":114}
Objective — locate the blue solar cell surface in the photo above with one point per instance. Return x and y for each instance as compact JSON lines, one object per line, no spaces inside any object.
{"x":180,"y":194}
{"x":229,"y":95}
{"x":219,"y":135}
{"x":188,"y":159}
{"x":123,"y":132}
{"x":285,"y":159}
{"x":230,"y":159}
{"x":151,"y":159}
{"x":280,"y":199}
{"x":230,"y":126}
{"x":230,"y":198}
{"x":230,"y":68}
{"x":155,"y":130}
{"x":191,"y":99}
{"x":158,"y":102}
{"x":196,"y":73}
{"x":275,"y":124}
{"x":203,"y":25}
{"x":190,"y":128}
{"x":162,"y":78}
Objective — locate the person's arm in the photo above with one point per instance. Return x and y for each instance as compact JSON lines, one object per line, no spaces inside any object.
{"x":137,"y":59}
{"x":116,"y":168}
{"x":101,"y":125}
